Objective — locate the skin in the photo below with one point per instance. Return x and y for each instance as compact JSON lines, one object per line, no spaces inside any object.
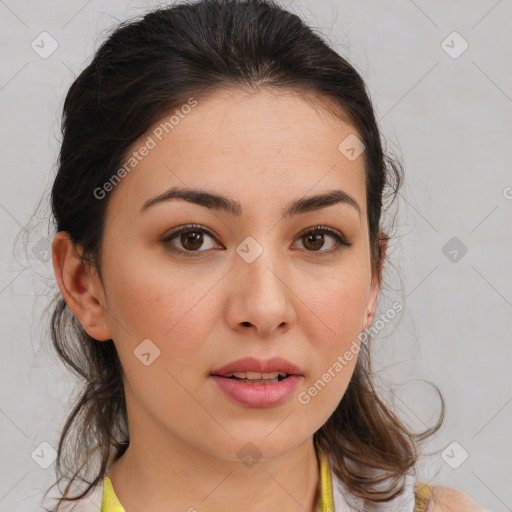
{"x":262,"y":149}
{"x":448,"y":499}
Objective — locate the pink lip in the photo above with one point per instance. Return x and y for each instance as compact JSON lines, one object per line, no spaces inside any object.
{"x":251,"y":364}
{"x":258,"y":395}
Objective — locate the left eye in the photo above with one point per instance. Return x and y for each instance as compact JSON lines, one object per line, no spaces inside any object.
{"x":316,"y":236}
{"x":191,"y":238}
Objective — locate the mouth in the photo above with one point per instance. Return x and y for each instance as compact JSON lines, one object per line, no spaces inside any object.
{"x":253,"y":369}
{"x":257,"y":377}
{"x":255,"y":382}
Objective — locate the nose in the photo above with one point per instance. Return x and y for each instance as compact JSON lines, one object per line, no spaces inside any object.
{"x":261,"y":294}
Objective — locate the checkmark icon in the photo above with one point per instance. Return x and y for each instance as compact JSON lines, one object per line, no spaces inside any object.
{"x":454,"y":45}
{"x":44,"y":45}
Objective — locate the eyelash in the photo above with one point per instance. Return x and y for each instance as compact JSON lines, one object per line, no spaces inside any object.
{"x":340,"y":240}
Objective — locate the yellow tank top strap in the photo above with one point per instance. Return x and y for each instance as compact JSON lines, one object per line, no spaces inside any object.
{"x":423,"y":492}
{"x":326,"y":499}
{"x":110,"y":503}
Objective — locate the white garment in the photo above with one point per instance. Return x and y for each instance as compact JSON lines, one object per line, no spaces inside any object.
{"x":403,"y":503}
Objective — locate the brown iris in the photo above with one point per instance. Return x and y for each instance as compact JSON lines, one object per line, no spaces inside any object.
{"x":195,"y":238}
{"x":315,"y":241}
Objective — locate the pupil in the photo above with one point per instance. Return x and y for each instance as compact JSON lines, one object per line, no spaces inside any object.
{"x":315,"y":239}
{"x":192,"y":237}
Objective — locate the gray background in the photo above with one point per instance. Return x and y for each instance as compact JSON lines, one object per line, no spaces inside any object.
{"x":446,"y":114}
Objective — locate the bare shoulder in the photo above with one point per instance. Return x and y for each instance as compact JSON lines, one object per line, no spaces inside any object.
{"x":448,"y":499}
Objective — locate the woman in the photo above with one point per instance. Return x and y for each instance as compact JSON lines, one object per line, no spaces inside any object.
{"x":219,"y":252}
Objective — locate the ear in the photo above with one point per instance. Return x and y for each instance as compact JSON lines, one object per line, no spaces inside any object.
{"x":375,"y":284}
{"x":81,"y":287}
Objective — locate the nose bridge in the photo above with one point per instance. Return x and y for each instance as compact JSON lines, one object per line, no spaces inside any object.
{"x":260,"y":260}
{"x":261,"y":277}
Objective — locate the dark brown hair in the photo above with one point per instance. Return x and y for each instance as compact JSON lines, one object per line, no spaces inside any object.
{"x":146,"y":68}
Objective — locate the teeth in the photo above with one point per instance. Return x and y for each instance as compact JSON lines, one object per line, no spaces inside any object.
{"x":256,"y":375}
{"x":258,"y":382}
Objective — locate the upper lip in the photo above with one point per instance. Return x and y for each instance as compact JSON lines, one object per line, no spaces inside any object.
{"x":251,"y":364}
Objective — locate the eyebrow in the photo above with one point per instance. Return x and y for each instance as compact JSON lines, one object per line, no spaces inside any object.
{"x":215,"y":201}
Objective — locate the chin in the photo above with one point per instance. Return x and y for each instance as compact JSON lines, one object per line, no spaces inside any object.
{"x":251,"y":449}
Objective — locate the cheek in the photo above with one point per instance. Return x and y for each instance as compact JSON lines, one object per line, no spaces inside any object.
{"x":173,"y":315}
{"x":151,"y":299}
{"x":335,"y":359}
{"x":332,"y":321}
{"x":333,"y":310}
{"x":171,"y":307}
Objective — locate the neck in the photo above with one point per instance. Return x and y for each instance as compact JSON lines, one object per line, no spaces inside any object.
{"x":188,"y":479}
{"x":160,"y":472}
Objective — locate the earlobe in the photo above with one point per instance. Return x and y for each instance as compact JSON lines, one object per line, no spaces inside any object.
{"x":81,"y":287}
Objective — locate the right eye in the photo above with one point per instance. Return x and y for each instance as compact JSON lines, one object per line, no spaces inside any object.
{"x":190,"y":237}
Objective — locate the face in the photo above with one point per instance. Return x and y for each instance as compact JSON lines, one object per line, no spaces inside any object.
{"x":242,"y":282}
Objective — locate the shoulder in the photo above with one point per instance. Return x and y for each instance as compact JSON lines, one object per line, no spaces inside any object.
{"x":448,"y":499}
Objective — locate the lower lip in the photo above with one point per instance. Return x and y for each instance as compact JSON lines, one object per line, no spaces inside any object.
{"x":258,"y":395}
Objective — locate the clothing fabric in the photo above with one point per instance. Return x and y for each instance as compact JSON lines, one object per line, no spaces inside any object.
{"x":334,"y":496}
{"x":408,"y":501}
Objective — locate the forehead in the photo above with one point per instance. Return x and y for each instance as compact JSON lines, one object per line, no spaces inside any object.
{"x":273,"y":143}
